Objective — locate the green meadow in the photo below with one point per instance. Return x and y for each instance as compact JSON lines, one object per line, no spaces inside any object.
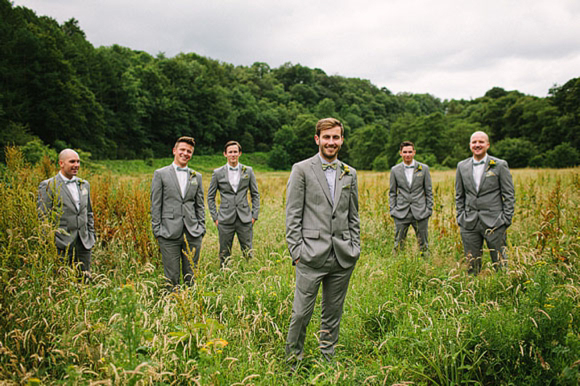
{"x":407,"y":319}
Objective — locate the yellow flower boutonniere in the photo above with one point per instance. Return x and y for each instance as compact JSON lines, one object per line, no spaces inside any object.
{"x":345,"y":170}
{"x":192,"y":175}
{"x":243,"y":168}
{"x":492,"y":164}
{"x":420,"y":167}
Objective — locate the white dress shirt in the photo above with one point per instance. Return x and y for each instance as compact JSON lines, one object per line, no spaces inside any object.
{"x":234,"y":176}
{"x":478,"y":171}
{"x":409,"y":169}
{"x":330,"y":175}
{"x":182,"y":179}
{"x":73,"y":189}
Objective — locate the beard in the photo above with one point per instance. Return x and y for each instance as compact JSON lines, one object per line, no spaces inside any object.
{"x":333,"y":154}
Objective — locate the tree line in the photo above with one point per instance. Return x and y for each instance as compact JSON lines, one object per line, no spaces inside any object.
{"x":57,"y":90}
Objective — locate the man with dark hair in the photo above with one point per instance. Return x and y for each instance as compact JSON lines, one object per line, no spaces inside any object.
{"x":484,"y":201}
{"x":410,"y":197}
{"x":323,"y":235}
{"x":66,"y":199}
{"x":235,"y":216}
{"x":177,"y":214}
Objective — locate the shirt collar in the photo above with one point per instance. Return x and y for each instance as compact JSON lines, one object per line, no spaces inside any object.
{"x":67,"y":179}
{"x":326,"y":162}
{"x":484,"y":159}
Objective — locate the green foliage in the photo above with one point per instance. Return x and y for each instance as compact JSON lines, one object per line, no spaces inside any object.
{"x":118,"y":103}
{"x":518,"y":152}
{"x":562,"y":156}
{"x":35,"y":150}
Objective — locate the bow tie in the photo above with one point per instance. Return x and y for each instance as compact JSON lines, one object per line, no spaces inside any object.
{"x":233,"y":169}
{"x":409,"y":167}
{"x":326,"y":166}
{"x":180,"y":169}
{"x":477,"y":163}
{"x":71,"y":181}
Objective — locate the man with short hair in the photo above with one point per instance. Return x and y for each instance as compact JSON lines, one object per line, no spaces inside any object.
{"x":235,"y":216}
{"x":484,"y":200}
{"x":323,"y":235}
{"x":410,"y":197}
{"x":66,"y":199}
{"x":177,"y":214}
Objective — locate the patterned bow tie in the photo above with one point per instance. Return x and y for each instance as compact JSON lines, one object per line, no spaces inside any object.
{"x":326,"y":166}
{"x":233,"y":169}
{"x":409,"y":167}
{"x":181,"y":169}
{"x":477,"y":163}
{"x":71,"y":181}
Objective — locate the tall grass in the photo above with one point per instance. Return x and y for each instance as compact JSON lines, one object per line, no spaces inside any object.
{"x":407,"y":319}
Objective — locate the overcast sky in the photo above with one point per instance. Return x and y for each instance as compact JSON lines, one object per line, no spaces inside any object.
{"x":449,"y":48}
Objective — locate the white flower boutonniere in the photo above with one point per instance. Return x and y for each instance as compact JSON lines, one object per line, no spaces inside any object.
{"x":192,"y":175}
{"x":345,"y":170}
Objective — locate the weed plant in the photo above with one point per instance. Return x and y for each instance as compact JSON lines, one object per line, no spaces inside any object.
{"x":407,"y":319}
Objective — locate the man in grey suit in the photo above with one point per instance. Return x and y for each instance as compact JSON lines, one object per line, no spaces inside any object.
{"x":178,"y":214}
{"x":66,"y":200}
{"x":410,"y":197}
{"x":484,"y":200}
{"x":234,"y":180}
{"x":323,"y":235}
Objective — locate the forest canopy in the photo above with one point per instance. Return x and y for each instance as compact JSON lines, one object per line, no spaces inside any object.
{"x":57,"y":90}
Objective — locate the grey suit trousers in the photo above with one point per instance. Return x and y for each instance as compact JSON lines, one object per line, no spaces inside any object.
{"x":421,"y":230}
{"x":495,"y":239}
{"x":77,"y":254}
{"x":226,"y":236}
{"x":175,"y":258}
{"x":334,"y":281}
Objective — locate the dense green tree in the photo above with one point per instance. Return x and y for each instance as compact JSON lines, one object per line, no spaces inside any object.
{"x":518,"y":152}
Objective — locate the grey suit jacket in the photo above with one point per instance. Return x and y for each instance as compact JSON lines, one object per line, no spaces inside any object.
{"x":314,"y":226}
{"x":55,"y":202}
{"x":172,"y":214}
{"x":493,"y":204}
{"x":417,"y":198}
{"x":233,"y":203}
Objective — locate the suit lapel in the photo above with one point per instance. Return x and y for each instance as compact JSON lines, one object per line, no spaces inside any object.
{"x":61,"y":186}
{"x":468,"y":173}
{"x":482,"y":180}
{"x":225,"y":175}
{"x":316,"y":166}
{"x":173,"y":176}
{"x":338,"y":183}
{"x":242,"y":180}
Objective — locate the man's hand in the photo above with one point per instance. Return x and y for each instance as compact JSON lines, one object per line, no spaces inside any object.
{"x":216,"y":223}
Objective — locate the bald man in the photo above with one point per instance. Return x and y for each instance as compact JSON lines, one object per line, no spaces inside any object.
{"x":65,"y":200}
{"x":484,"y":200}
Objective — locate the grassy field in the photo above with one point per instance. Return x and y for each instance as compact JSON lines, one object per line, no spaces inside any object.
{"x":407,"y":320}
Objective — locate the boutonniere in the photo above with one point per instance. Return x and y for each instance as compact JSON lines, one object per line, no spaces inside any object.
{"x":491,"y":164}
{"x":243,"y":169}
{"x":192,"y":175}
{"x":420,"y":167}
{"x":345,"y":170}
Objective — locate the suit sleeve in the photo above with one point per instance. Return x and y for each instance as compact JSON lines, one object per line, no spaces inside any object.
{"x":255,"y":194}
{"x":392,"y":192}
{"x":353,"y":216}
{"x":200,"y":205}
{"x":507,"y":193}
{"x":459,"y":193}
{"x":156,"y":203}
{"x":44,"y":202}
{"x":428,"y":190}
{"x":295,"y":192}
{"x":211,"y":193}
